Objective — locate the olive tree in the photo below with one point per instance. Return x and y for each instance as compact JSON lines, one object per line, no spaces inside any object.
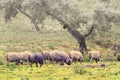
{"x":28,"y":8}
{"x":97,"y":22}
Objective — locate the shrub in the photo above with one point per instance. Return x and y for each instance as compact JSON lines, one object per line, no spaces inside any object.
{"x":1,"y":63}
{"x":66,"y":78}
{"x":25,"y":78}
{"x":86,"y":58}
{"x":11,"y":67}
{"x":79,"y":70}
{"x":1,"y":60}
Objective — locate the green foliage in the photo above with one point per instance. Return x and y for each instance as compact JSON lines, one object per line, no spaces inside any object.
{"x":19,"y":35}
{"x":66,"y":78}
{"x":11,"y":67}
{"x":103,"y":15}
{"x":25,"y":78}
{"x":86,"y":58}
{"x":117,"y":73}
{"x":2,"y":60}
{"x":55,"y":72}
{"x":79,"y":70}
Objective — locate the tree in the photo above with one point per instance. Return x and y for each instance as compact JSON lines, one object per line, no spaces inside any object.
{"x":69,"y":13}
{"x":30,"y":10}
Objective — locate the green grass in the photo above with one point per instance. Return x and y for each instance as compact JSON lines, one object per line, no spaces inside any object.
{"x":56,"y":72}
{"x":13,"y":41}
{"x":50,"y":40}
{"x":19,"y":35}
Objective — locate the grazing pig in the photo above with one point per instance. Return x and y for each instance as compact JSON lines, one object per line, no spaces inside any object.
{"x":94,"y":55}
{"x":60,"y":56}
{"x":35,"y":58}
{"x":25,"y":55}
{"x":46,"y":55}
{"x":76,"y":56}
{"x":14,"y":57}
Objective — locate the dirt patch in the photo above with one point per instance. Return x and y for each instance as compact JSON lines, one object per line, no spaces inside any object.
{"x":96,"y":66}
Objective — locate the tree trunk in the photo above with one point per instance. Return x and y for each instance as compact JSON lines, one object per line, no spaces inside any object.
{"x":79,"y":37}
{"x":27,"y":15}
{"x":36,"y":26}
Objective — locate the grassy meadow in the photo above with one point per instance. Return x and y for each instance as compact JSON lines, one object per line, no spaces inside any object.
{"x":51,"y":40}
{"x":84,"y":71}
{"x":19,"y":35}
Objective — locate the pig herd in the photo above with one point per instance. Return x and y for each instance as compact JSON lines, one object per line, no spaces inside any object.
{"x":54,"y":56}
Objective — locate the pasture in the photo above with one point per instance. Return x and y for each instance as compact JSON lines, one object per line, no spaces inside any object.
{"x":20,"y":35}
{"x":84,"y":71}
{"x":33,"y":41}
